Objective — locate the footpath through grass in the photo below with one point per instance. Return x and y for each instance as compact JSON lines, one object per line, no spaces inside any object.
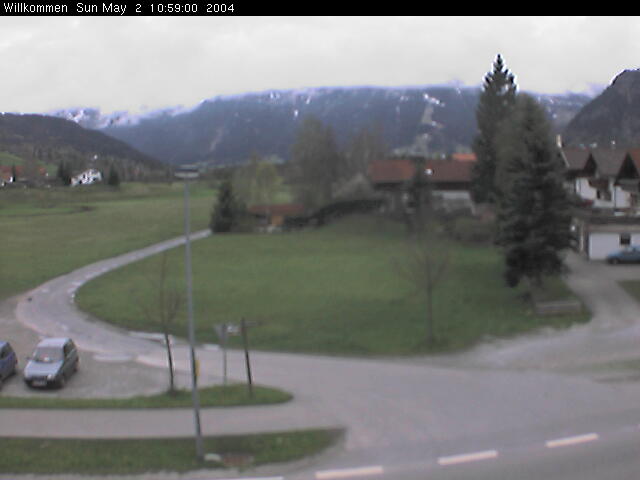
{"x":217,"y":396}
{"x":127,"y":457}
{"x":334,"y":290}
{"x":50,"y":232}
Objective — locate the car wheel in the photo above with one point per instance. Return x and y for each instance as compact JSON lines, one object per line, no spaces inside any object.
{"x":614,"y":261}
{"x":62,"y":382}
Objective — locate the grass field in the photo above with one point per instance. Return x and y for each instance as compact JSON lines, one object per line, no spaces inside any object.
{"x":49,"y":232}
{"x":126,"y":457}
{"x":334,"y":290}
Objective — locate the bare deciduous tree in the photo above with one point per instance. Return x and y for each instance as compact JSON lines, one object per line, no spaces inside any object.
{"x":162,"y":307}
{"x":424,"y":266}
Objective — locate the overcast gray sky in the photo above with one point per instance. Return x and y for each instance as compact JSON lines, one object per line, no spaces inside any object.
{"x":138,"y":63}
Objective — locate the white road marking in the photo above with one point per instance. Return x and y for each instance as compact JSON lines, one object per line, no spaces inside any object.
{"x":349,"y":472}
{"x":563,"y":442}
{"x":467,"y":457}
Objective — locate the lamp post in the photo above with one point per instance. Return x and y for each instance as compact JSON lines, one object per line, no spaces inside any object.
{"x":187,"y":173}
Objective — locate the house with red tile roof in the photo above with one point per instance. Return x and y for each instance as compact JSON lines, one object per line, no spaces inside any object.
{"x":450,"y":180}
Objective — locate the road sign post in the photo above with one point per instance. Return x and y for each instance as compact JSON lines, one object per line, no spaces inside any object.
{"x":245,"y":342}
{"x":222,"y":330}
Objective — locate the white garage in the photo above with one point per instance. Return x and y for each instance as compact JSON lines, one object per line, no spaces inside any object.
{"x":604,"y":239}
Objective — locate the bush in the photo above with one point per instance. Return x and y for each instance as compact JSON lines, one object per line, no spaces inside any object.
{"x":342,"y":208}
{"x":473,"y":230}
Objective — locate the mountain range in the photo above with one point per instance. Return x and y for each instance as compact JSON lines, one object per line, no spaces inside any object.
{"x":612,"y":118}
{"x":227,"y":130}
{"x":49,"y":140}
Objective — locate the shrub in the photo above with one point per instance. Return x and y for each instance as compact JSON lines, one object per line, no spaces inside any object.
{"x":473,"y":230}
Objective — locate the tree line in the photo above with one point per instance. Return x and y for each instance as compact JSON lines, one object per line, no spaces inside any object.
{"x":318,"y":173}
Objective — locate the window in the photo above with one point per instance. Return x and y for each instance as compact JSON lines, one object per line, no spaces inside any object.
{"x":625,"y":239}
{"x":604,"y":195}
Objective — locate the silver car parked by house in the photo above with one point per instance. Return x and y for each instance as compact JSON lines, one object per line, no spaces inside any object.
{"x":53,"y":361}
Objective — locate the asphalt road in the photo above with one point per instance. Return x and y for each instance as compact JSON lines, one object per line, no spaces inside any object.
{"x":405,"y":418}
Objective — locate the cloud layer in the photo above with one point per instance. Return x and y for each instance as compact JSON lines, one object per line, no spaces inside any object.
{"x":133,"y":63}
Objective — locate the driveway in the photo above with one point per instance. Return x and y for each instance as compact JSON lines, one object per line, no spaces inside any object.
{"x":604,"y":348}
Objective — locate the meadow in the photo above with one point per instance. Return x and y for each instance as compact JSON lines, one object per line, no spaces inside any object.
{"x":331,"y":290}
{"x":49,"y":232}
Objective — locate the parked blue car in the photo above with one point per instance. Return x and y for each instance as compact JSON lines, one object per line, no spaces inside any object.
{"x":53,"y":361}
{"x":630,"y":254}
{"x":8,"y":361}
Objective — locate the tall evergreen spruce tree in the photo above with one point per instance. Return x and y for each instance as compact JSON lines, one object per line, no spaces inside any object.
{"x":533,"y":210}
{"x":114,"y":178}
{"x":64,"y":173}
{"x":228,"y":212}
{"x":494,"y":105}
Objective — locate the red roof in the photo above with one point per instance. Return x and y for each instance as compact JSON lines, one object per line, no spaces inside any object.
{"x":464,"y":157}
{"x":396,"y":170}
{"x":402,"y":169}
{"x":449,"y":171}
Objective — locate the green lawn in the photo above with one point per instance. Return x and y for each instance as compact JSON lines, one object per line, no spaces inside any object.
{"x":126,"y":457}
{"x":334,"y":290}
{"x":217,"y":396}
{"x":49,"y":232}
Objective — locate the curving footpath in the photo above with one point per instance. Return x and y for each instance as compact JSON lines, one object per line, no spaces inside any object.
{"x":421,"y":412}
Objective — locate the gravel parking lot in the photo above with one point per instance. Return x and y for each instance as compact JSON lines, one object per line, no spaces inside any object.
{"x":98,"y":376}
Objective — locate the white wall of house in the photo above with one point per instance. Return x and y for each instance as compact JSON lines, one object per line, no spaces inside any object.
{"x":454,"y":199}
{"x":584,"y":190}
{"x":602,"y":244}
{"x":622,"y":198}
{"x":87,"y":178}
{"x":616,"y":198}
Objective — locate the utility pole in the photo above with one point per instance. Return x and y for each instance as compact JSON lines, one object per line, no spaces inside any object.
{"x":188,"y":174}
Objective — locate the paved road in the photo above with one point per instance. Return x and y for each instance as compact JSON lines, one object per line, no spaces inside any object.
{"x":398,"y":413}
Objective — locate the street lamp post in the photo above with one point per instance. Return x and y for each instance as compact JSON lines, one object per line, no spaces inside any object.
{"x":186,"y":174}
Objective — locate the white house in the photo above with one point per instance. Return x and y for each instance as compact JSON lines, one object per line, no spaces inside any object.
{"x":87,"y":177}
{"x":608,"y":181}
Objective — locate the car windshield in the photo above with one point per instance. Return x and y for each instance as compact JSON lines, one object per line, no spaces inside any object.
{"x":47,"y":354}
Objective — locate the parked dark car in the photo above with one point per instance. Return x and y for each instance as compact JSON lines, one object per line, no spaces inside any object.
{"x":53,"y":361}
{"x":8,"y":361}
{"x":630,"y":254}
